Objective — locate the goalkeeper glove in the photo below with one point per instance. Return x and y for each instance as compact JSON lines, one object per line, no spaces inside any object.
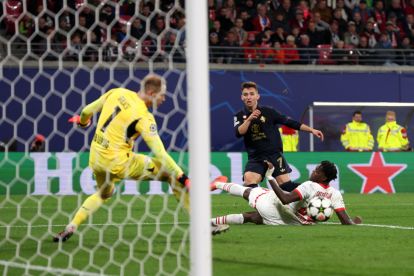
{"x":185,"y":181}
{"x":76,"y":119}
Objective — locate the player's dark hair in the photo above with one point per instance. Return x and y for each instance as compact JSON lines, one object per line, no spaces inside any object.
{"x":248,"y":84}
{"x":356,"y":112}
{"x":329,"y":170}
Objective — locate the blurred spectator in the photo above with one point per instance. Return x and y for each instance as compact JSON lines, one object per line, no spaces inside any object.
{"x":217,"y":29}
{"x":26,"y":26}
{"x":159,"y":25}
{"x":406,"y":55}
{"x":296,"y":35}
{"x":247,"y":21}
{"x":371,"y":33}
{"x":280,"y":21}
{"x":341,"y":22}
{"x":250,"y":7}
{"x":286,"y":9}
{"x":211,"y":12}
{"x":250,"y":52}
{"x":291,"y":52}
{"x":339,"y":54}
{"x":345,"y":12}
{"x":324,"y":10}
{"x":409,"y":26}
{"x":278,"y":53}
{"x":391,"y":136}
{"x":38,"y":144}
{"x":379,"y":15}
{"x":306,"y":53}
{"x":384,"y":51}
{"x":279,"y":35}
{"x":351,"y":4}
{"x":232,"y":48}
{"x":393,"y":33}
{"x":304,"y":7}
{"x":75,"y":48}
{"x":261,"y":21}
{"x":226,"y":19}
{"x":137,"y":28}
{"x":240,"y":32}
{"x":230,"y":5}
{"x":317,"y":37}
{"x":359,"y":25}
{"x":265,"y":43}
{"x":334,"y":32}
{"x":409,"y":9}
{"x":364,"y":52}
{"x":396,"y":10}
{"x":363,"y":10}
{"x":320,"y":25}
{"x":351,"y":37}
{"x":215,"y":52}
{"x":299,"y":21}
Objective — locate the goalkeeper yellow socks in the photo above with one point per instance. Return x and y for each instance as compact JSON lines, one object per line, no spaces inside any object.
{"x":89,"y":206}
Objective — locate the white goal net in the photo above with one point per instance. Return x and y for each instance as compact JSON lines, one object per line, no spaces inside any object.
{"x":56,"y":57}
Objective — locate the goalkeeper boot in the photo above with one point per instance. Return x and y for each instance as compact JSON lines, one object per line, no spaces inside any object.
{"x":64,"y":235}
{"x":218,"y":229}
{"x":221,"y":178}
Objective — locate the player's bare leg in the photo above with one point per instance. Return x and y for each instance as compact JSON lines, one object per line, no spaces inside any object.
{"x":252,"y":179}
{"x":253,"y":217}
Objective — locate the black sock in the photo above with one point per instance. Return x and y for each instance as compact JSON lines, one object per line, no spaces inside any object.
{"x":251,"y":185}
{"x":289,"y":186}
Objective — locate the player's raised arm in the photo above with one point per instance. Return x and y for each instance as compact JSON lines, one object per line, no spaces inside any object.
{"x":315,"y":132}
{"x":84,"y":120}
{"x":285,"y":197}
{"x":346,"y":220}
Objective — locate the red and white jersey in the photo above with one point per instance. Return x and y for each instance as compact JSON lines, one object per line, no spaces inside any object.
{"x":310,"y":189}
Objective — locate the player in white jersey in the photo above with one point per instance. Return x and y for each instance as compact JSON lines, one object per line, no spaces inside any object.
{"x":277,"y":207}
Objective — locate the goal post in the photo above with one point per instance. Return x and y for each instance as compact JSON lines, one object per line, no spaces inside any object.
{"x":331,"y":118}
{"x":199,"y":137}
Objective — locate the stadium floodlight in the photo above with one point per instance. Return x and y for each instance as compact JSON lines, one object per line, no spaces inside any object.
{"x":332,"y":117}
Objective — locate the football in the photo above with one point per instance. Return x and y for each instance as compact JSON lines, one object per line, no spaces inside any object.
{"x":320,"y":208}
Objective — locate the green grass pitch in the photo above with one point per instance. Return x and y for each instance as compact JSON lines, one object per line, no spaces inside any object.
{"x":130,"y":234}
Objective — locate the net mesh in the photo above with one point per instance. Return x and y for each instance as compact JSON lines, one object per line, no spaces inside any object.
{"x":57,"y":56}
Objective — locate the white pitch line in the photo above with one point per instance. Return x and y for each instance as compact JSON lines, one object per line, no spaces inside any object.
{"x":379,"y":226}
{"x":47,"y":269}
{"x":187,"y":223}
{"x":96,"y":224}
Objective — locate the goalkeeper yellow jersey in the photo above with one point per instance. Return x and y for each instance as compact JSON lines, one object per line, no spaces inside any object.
{"x":124,"y":116}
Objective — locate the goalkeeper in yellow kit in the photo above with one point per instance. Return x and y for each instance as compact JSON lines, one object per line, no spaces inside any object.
{"x":124,"y":116}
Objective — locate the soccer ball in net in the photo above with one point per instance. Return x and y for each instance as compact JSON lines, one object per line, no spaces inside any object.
{"x":320,"y":208}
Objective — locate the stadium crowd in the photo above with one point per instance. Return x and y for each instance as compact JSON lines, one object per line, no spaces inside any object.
{"x":367,"y":32}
